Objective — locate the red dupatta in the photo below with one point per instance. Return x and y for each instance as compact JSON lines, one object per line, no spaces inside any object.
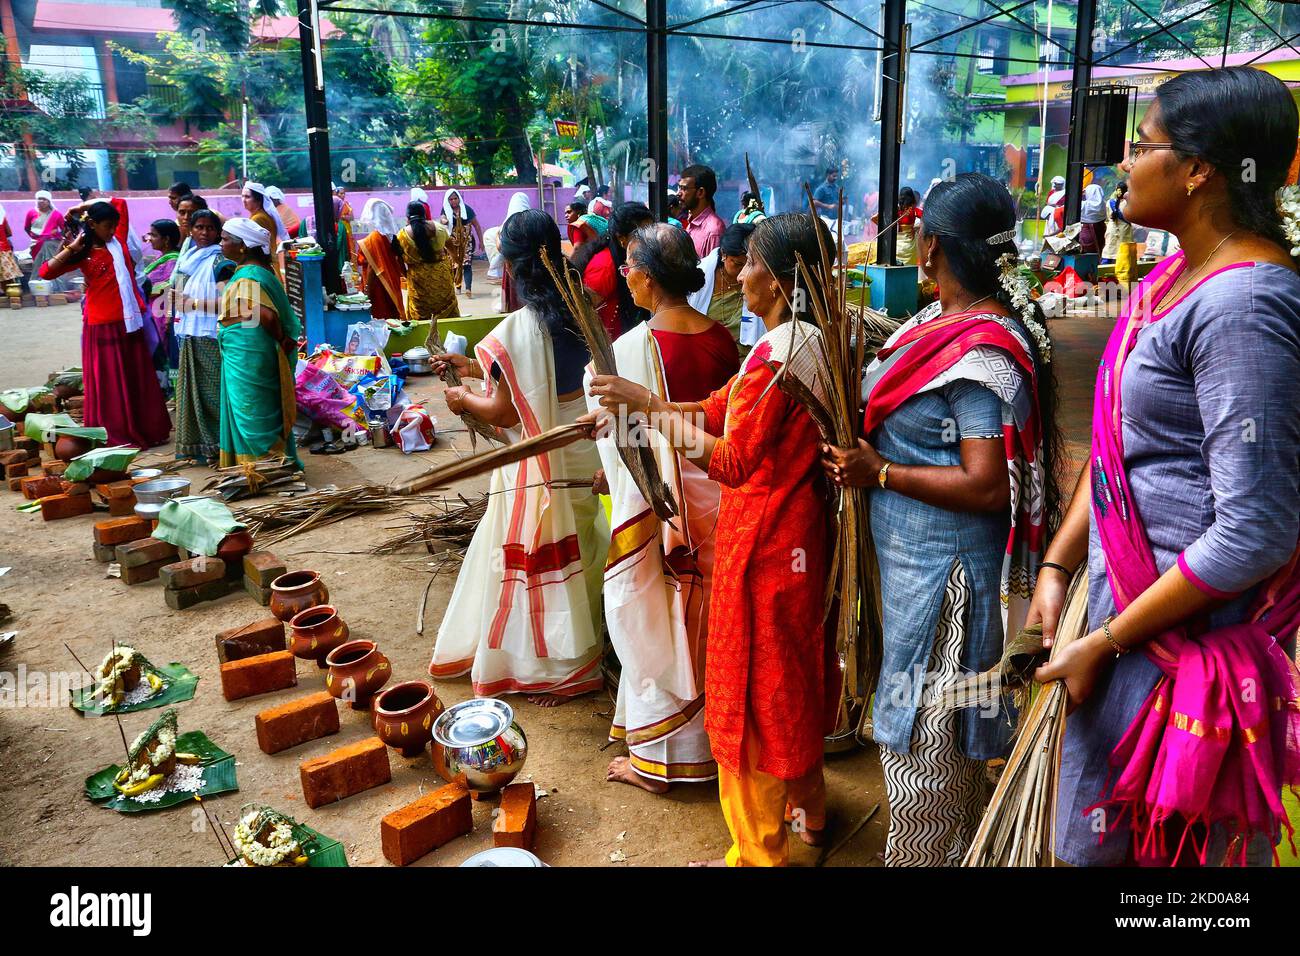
{"x":1216,"y":740}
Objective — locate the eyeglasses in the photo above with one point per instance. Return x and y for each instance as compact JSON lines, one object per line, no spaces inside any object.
{"x":1138,"y":147}
{"x":624,"y":270}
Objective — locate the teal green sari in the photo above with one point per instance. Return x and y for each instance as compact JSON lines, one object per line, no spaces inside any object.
{"x":258,"y":406}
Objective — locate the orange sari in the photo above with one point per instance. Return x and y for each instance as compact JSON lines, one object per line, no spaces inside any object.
{"x":381,"y":276}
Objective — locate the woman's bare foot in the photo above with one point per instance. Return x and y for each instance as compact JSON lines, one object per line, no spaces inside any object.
{"x":815,"y":838}
{"x":707,"y":863}
{"x":548,"y":700}
{"x":621,"y":771}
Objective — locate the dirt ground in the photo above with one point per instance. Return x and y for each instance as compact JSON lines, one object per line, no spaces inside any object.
{"x":58,"y":593}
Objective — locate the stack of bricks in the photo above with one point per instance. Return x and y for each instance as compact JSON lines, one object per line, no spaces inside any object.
{"x":109,"y":534}
{"x":119,"y":496}
{"x":193,"y":581}
{"x":260,"y":569}
{"x":21,"y":461}
{"x":143,"y":560}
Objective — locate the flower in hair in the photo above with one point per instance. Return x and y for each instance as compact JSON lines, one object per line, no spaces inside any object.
{"x":1016,"y":286}
{"x":1288,"y":207}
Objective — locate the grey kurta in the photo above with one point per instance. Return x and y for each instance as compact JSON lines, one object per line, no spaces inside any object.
{"x":1211,"y":433}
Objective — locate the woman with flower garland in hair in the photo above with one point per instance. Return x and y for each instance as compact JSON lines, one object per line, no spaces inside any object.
{"x":960,"y":451}
{"x":1184,"y":728}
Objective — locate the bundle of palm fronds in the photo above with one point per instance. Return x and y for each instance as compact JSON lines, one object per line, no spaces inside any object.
{"x":636,"y":454}
{"x":1019,"y":826}
{"x":255,"y":478}
{"x":274,"y":521}
{"x":451,"y":523}
{"x":824,"y":375}
{"x":475,"y":424}
{"x":476,"y":465}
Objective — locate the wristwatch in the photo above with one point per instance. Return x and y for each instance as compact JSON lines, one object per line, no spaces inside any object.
{"x":884,"y":473}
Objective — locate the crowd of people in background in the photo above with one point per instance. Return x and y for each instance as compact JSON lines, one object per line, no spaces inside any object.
{"x":1188,"y":531}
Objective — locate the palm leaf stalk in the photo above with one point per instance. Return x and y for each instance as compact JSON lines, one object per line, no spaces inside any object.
{"x":634,"y":451}
{"x":475,"y":424}
{"x":1019,"y":826}
{"x":825,"y":377}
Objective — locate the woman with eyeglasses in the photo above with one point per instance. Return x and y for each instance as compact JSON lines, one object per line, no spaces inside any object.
{"x":1184,"y":723}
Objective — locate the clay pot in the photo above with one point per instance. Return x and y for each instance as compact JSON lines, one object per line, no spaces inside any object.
{"x":68,"y":447}
{"x":234,"y":546}
{"x":295,"y":592}
{"x":403,"y":716}
{"x":357,"y":670}
{"x":13,"y":416}
{"x":315,"y":632}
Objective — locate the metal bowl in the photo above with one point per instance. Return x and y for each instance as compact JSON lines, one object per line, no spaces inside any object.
{"x":504,"y":856}
{"x":146,"y":473}
{"x":150,"y":496}
{"x":480,"y":739}
{"x":418,"y":360}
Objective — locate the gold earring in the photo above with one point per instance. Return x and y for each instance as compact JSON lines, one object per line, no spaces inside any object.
{"x":1190,"y":187}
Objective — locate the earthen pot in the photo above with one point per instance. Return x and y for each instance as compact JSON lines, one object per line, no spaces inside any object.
{"x":234,"y":546}
{"x":403,"y":716}
{"x":357,"y":670}
{"x":13,"y":416}
{"x":315,"y":632}
{"x":68,"y":447}
{"x":295,"y":592}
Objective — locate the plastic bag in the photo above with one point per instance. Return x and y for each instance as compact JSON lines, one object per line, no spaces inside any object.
{"x":323,"y":399}
{"x":368,"y":338}
{"x":414,"y":429}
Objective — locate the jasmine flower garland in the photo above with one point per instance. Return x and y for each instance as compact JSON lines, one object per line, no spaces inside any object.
{"x":1017,"y":289}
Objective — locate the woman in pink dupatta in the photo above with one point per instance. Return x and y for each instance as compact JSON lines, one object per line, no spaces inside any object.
{"x":1184,"y":731}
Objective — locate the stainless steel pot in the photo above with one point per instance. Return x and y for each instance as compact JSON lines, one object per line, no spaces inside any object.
{"x":480,"y":739}
{"x":150,"y":496}
{"x":418,"y":361}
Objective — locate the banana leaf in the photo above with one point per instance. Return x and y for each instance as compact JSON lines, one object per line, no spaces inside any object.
{"x":322,"y":851}
{"x":179,"y":684}
{"x":17,"y":399}
{"x":196,"y":524}
{"x":41,"y":427}
{"x":110,"y":458}
{"x":218,"y":777}
{"x":71,"y":377}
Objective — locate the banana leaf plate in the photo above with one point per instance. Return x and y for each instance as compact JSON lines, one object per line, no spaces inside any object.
{"x":179,"y":683}
{"x":218,"y":777}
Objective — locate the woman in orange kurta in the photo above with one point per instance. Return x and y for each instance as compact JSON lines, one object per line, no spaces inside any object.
{"x":770,"y":696}
{"x":381,"y":267}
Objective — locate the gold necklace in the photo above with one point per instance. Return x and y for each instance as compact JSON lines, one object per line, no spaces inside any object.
{"x":1194,"y":274}
{"x":969,"y":306}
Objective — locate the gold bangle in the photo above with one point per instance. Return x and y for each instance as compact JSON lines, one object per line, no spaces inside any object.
{"x":884,"y":473}
{"x":649,"y":397}
{"x":1110,"y":638}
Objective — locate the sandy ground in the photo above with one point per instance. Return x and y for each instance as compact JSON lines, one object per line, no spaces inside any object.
{"x":58,"y":594}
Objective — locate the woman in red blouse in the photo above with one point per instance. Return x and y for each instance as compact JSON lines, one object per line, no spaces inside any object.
{"x":599,"y":262}
{"x":122,"y":391}
{"x":771,"y":692}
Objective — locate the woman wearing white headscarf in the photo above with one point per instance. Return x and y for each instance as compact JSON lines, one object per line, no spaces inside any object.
{"x":510,"y":302}
{"x":44,"y":226}
{"x":462,"y":226}
{"x":286,"y":220}
{"x":381,"y":267}
{"x":197,"y":302}
{"x":422,"y":197}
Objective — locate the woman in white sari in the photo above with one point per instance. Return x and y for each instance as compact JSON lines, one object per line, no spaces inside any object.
{"x":525,"y":614}
{"x":658,"y":575}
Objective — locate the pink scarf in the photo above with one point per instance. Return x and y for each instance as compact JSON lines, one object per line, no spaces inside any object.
{"x":1217,"y":739}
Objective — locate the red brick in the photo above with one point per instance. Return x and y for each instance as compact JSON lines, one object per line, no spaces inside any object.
{"x":418,"y":828}
{"x":182,"y":599}
{"x":344,"y":772}
{"x":121,"y":530}
{"x":13,"y":456}
{"x":121,"y":507}
{"x":54,"y":467}
{"x":263,"y":567}
{"x":294,"y":723}
{"x":142,"y":573}
{"x":41,"y":486}
{"x":65,"y":506}
{"x":192,"y":573}
{"x":116,"y":489}
{"x":29,"y":445}
{"x":262,"y":674}
{"x":104,"y":554}
{"x":515,"y":823}
{"x":75,"y":488}
{"x":17,"y":469}
{"x":146,"y":550}
{"x":16,"y":484}
{"x":260,"y":637}
{"x":259,"y":594}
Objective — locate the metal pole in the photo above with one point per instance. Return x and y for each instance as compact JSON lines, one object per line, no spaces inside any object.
{"x":244,"y":136}
{"x":656,"y":46}
{"x":891,"y":117}
{"x":1083,"y":28}
{"x":318,"y":143}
